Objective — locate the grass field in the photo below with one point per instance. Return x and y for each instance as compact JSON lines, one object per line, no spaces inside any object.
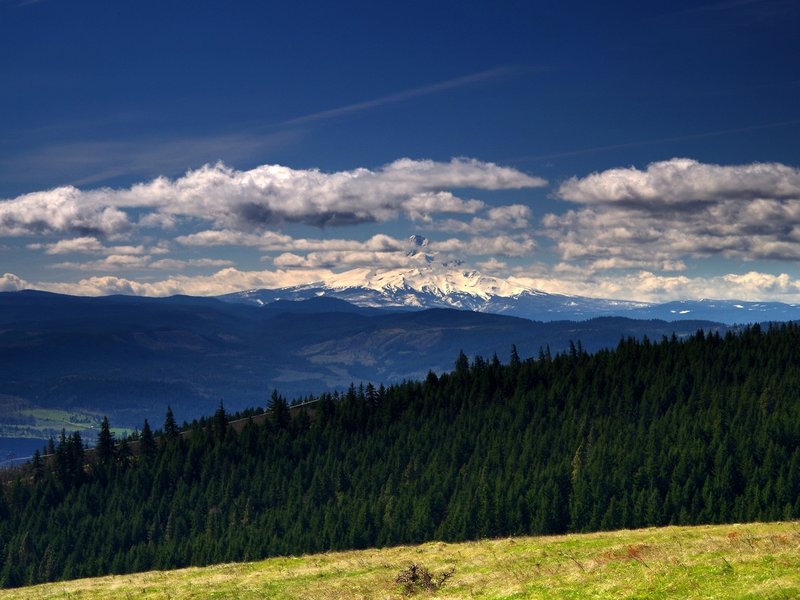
{"x":21,"y":420}
{"x":760,"y":560}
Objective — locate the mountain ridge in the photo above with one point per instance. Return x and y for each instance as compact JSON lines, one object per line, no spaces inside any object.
{"x":444,"y":285}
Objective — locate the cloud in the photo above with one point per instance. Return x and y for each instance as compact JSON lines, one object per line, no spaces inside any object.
{"x":679,"y":209}
{"x":501,"y":245}
{"x":683,"y":180}
{"x":222,"y":282}
{"x":264,"y":197}
{"x":492,"y":265}
{"x":85,"y":162}
{"x":121,"y":262}
{"x":172,"y":264}
{"x":86,"y":244}
{"x":643,"y":285}
{"x":113,"y":263}
{"x":89,"y":245}
{"x":499,"y":218}
{"x":409,"y":94}
{"x":62,"y":210}
{"x":379,"y":252}
{"x":226,"y":237}
{"x":11,"y":283}
{"x":647,"y":286}
{"x":334,"y":259}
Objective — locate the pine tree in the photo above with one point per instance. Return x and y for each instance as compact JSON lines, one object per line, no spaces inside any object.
{"x":170,"y":427}
{"x":279,"y":411}
{"x":105,"y":444}
{"x":147,"y":443}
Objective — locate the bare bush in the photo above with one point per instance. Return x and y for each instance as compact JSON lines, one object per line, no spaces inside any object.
{"x":415,"y":578}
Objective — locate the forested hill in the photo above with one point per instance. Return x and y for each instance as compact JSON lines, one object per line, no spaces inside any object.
{"x":696,"y":431}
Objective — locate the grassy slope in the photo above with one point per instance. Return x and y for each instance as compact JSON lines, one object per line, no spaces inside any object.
{"x":723,"y":561}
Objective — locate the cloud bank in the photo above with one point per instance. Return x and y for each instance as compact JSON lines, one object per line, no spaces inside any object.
{"x":679,"y":209}
{"x":646,"y":234}
{"x":264,"y":197}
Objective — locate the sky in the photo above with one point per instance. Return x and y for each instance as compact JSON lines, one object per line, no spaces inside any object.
{"x":637,"y":150}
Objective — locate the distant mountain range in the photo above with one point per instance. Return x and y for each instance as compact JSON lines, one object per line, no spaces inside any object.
{"x":130,"y":357}
{"x":432,"y":285}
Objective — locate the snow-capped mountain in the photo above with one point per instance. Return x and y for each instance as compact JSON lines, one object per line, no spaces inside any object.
{"x":428,"y":283}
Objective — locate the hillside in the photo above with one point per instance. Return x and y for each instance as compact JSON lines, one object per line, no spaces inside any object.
{"x":130,"y":357}
{"x":758,"y":560}
{"x":704,"y":430}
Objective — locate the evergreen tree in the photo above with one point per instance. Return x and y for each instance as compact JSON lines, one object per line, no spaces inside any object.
{"x":147,"y":443}
{"x":279,"y":411}
{"x":105,"y":444}
{"x":678,"y":431}
{"x":171,"y":430}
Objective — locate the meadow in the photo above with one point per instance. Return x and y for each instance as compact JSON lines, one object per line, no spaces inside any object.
{"x":758,"y":560}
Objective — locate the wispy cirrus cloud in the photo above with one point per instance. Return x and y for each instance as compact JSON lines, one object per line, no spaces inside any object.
{"x":410,"y":94}
{"x":658,"y":141}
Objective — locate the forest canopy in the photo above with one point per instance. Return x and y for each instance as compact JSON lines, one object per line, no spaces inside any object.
{"x":701,"y":430}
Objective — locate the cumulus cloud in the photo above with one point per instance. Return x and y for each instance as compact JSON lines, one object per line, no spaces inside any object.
{"x":122,"y":262}
{"x":643,"y":285}
{"x":86,"y":244}
{"x":174,"y":264}
{"x":647,"y":286}
{"x":264,"y":197}
{"x":679,"y":209}
{"x":501,"y":245}
{"x":11,"y":283}
{"x":498,"y":218}
{"x":90,"y":245}
{"x":222,"y":282}
{"x":333,"y":259}
{"x":382,"y":251}
{"x":683,"y":180}
{"x":112,"y":263}
{"x":62,"y":210}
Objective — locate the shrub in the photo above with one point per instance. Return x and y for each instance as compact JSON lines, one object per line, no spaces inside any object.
{"x":415,"y":578}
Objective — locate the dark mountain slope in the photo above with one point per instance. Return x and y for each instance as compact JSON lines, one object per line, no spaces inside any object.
{"x":129,"y":357}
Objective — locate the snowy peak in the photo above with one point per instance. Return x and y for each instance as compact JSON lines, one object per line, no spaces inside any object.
{"x":431,"y":284}
{"x":430,"y":280}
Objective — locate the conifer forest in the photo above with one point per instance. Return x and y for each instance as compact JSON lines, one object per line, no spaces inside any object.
{"x":704,"y":429}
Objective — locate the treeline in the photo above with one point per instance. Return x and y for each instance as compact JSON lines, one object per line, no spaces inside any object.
{"x":703,"y":430}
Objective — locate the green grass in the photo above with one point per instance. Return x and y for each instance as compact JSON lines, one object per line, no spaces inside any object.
{"x":759,"y":560}
{"x":25,"y":421}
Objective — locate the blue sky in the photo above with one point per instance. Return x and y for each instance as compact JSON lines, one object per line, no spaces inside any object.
{"x":635,"y":150}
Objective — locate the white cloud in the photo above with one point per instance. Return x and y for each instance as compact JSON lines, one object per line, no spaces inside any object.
{"x":264,"y":197}
{"x":11,"y":283}
{"x":682,"y":180}
{"x":270,"y":240}
{"x":173,"y":264}
{"x":492,"y":266}
{"x":501,"y":245}
{"x":499,"y":218}
{"x":222,"y":282}
{"x":62,"y":210}
{"x":122,"y":262}
{"x":647,"y":286}
{"x":113,"y":262}
{"x":642,"y":285}
{"x":86,"y":244}
{"x":334,"y":259}
{"x":89,"y":245}
{"x":679,"y":209}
